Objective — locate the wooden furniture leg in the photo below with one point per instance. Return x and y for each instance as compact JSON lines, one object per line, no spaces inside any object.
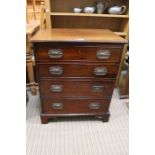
{"x":31,"y":77}
{"x":29,"y":65}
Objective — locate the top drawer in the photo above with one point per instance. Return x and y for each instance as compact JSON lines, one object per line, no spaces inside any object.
{"x":96,"y":54}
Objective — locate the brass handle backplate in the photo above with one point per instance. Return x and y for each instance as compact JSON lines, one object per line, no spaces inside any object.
{"x":94,"y":105}
{"x":56,"y":70}
{"x":103,"y":54}
{"x":100,"y":71}
{"x":57,"y":105}
{"x":97,"y":88}
{"x":56,"y":88}
{"x":55,"y":53}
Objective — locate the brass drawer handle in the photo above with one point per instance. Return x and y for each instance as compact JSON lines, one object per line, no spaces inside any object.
{"x":55,"y":53}
{"x":56,"y":70}
{"x":57,"y":105}
{"x":94,"y":105}
{"x":100,"y":71}
{"x":97,"y":88}
{"x":56,"y":88}
{"x":103,"y":54}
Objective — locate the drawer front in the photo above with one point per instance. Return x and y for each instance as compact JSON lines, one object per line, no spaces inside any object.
{"x":107,"y":70}
{"x":98,"y":54}
{"x":73,"y":88}
{"x":68,"y":106}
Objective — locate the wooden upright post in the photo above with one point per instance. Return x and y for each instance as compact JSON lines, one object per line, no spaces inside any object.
{"x":48,"y":17}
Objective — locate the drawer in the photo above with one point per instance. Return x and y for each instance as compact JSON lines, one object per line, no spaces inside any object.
{"x":98,"y":54}
{"x":107,"y":70}
{"x":64,"y":106}
{"x":75,"y":87}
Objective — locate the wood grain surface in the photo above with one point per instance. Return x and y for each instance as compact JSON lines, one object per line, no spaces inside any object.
{"x":77,"y":35}
{"x":78,"y":69}
{"x":74,"y":105}
{"x":77,"y":87}
{"x":78,"y":53}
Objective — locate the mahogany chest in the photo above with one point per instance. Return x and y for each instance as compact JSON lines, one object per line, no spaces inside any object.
{"x":76,"y":70}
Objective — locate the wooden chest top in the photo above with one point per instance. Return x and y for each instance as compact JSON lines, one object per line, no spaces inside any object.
{"x":77,"y":35}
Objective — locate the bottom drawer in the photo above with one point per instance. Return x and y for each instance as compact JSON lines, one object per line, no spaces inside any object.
{"x":70,"y":106}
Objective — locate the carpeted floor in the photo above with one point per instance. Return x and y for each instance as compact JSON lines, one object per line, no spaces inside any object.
{"x":78,"y":136}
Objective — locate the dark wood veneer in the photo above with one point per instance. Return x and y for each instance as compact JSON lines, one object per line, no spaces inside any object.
{"x":83,"y":54}
{"x":74,"y":105}
{"x":75,"y":87}
{"x":78,"y":69}
{"x":77,"y":66}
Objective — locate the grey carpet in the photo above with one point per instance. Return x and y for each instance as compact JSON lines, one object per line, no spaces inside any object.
{"x":78,"y":136}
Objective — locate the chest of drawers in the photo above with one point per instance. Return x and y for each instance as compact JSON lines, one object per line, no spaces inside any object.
{"x":76,"y":71}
